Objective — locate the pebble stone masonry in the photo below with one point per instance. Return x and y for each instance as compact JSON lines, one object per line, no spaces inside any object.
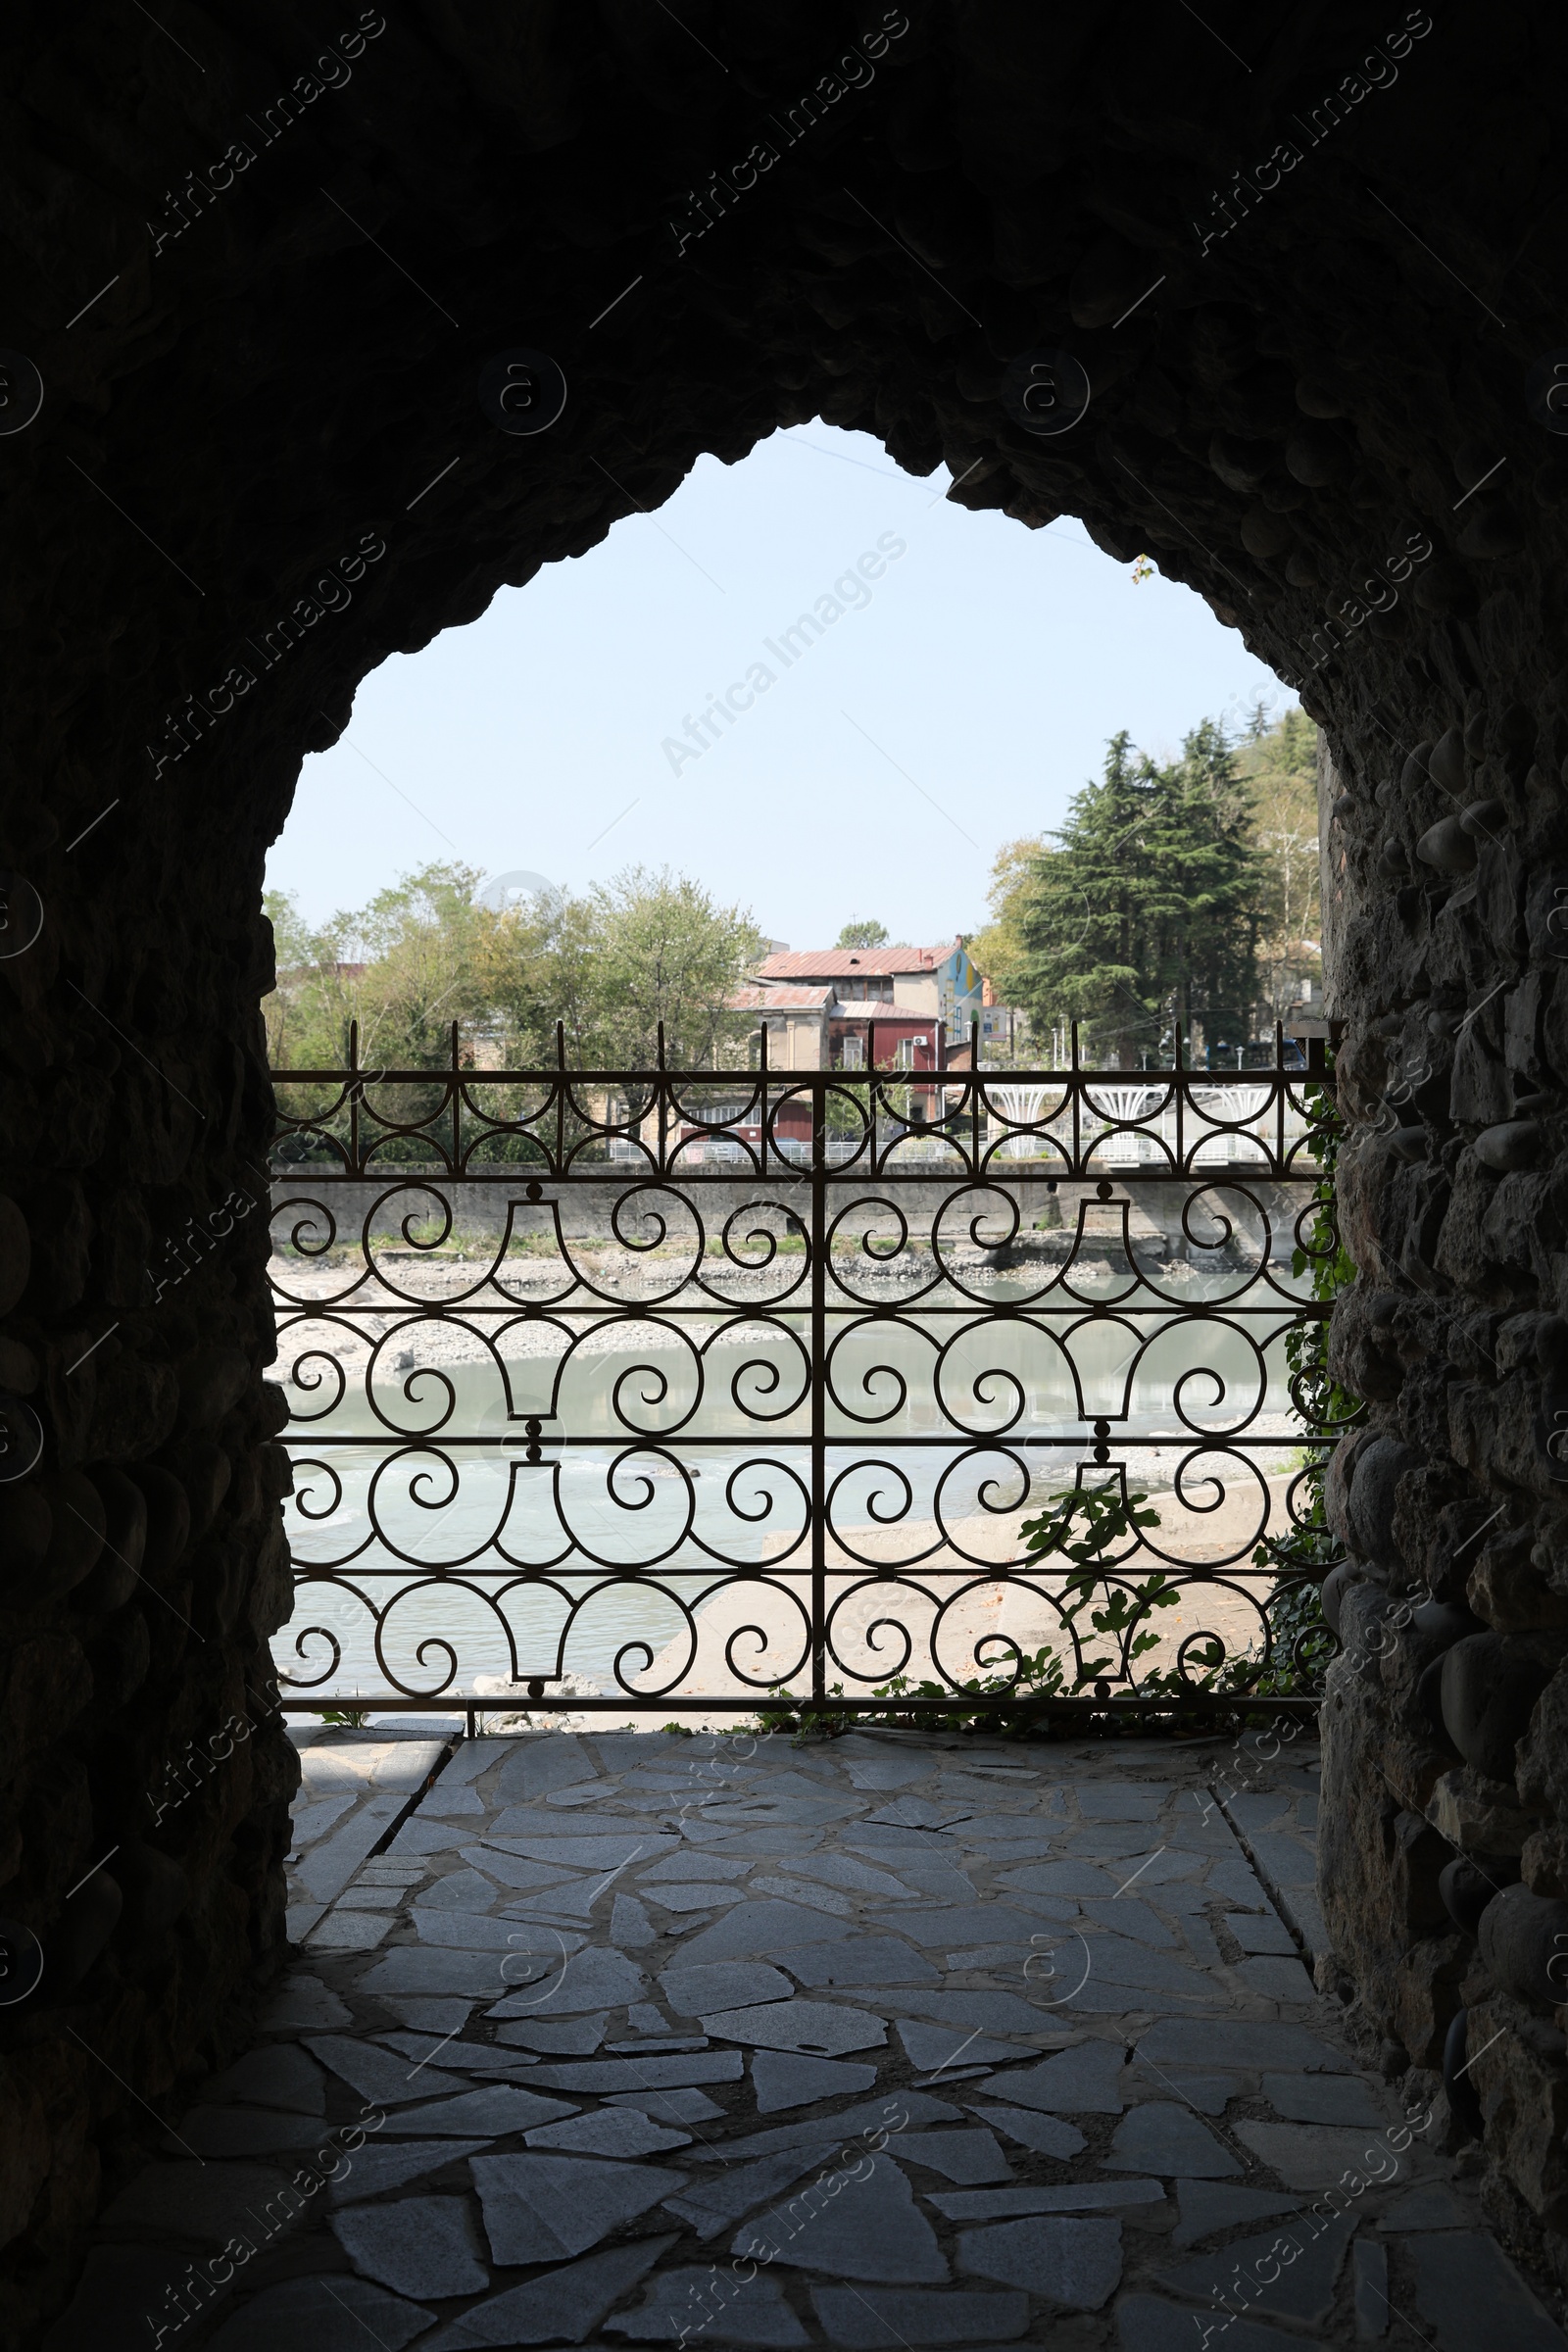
{"x":280,"y":292}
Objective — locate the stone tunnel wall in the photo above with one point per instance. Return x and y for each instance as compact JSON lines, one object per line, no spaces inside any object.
{"x":1310,"y":281}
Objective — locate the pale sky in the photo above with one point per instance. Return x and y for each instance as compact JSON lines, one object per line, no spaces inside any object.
{"x":958,"y":706}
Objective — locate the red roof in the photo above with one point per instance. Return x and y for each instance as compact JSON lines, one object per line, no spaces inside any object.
{"x":756,"y":998}
{"x":841,"y":963}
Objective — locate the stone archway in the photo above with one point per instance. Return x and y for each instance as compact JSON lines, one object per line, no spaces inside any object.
{"x":1310,"y":280}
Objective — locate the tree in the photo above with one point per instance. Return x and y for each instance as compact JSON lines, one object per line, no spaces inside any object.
{"x":609,"y":967}
{"x":1278,"y":764}
{"x":864,"y":935}
{"x":1139,"y":918}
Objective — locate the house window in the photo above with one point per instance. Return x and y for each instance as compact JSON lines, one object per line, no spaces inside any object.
{"x":853,"y":1057}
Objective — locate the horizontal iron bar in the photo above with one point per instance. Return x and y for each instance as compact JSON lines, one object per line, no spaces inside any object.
{"x":434,"y":1439}
{"x":962,"y":1702}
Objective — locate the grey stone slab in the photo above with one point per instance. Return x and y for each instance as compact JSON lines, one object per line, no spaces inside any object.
{"x":451,"y":1804}
{"x":222,"y":2131}
{"x":1061,"y":2196}
{"x":861,"y":2224}
{"x":1129,"y":1915}
{"x":628,"y":1924}
{"x":622,"y":2132}
{"x":680,"y":2106}
{"x":1321,"y":2100}
{"x":820,"y":1898}
{"x":1264,"y":1932}
{"x":571,"y":2038}
{"x":278,"y":2075}
{"x":883,"y":2319}
{"x":1148,"y":2324}
{"x":1234,"y":1881}
{"x":931,"y":2047}
{"x":1472,"y":2297}
{"x":391,"y":2164}
{"x":762,"y":1838}
{"x":349,"y":1931}
{"x":332,"y":1762}
{"x":814,"y":2029}
{"x":853,"y":1878}
{"x":1431,"y":2205}
{"x":477,"y":1931}
{"x":1061,"y":1878}
{"x":595,"y":1979}
{"x":1072,"y":2263}
{"x":420,"y":1969}
{"x":309,"y":1821}
{"x":1370,"y":2289}
{"x":1119,"y":1960}
{"x":1277,"y":1979}
{"x":861,"y":1960}
{"x":944,"y":1880}
{"x":1283,"y":1859}
{"x":326,"y":1869}
{"x":1313,"y":2156}
{"x":540,"y":2206}
{"x":700,"y":1895}
{"x":364,"y":1897}
{"x":511,"y":1870}
{"x":722,"y":1985}
{"x":458,"y":1891}
{"x":468,"y":2058}
{"x":389,"y":2078}
{"x":1207,"y":2207}
{"x":653,"y":2072}
{"x":757,"y":1929}
{"x":890,"y":2111}
{"x":1259,"y":1811}
{"x":563,"y":2307}
{"x":687,"y":1865}
{"x":1200,"y":1940}
{"x":475,"y":1757}
{"x":964,"y":1923}
{"x":878,"y":1844}
{"x":540,"y":1761}
{"x":329,"y":2315}
{"x":1304,"y":2282}
{"x":1161,"y":2136}
{"x":420,"y":1838}
{"x":1045,"y":2133}
{"x":921,"y":1813}
{"x":497,"y":2108}
{"x":598,"y":1850}
{"x":992,"y":2012}
{"x":1087,"y":2080}
{"x":711,"y":2206}
{"x":1111,"y":1801}
{"x":303,"y":2004}
{"x":722,"y":2306}
{"x":1210,"y":2094}
{"x":782,"y":2082}
{"x":419,"y":2246}
{"x":867,"y":1771}
{"x":969,"y":2157}
{"x":188,"y":2200}
{"x":1233,"y":2042}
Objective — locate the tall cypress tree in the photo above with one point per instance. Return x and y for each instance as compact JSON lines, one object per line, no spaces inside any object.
{"x":1142,"y":920}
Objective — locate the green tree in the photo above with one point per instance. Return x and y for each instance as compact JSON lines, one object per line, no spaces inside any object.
{"x":864,"y":935}
{"x":1278,"y":764}
{"x":1139,"y":918}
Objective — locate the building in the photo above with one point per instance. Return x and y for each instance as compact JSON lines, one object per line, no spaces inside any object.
{"x":852,"y":1007}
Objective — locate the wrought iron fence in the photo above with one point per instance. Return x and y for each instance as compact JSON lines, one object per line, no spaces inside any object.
{"x":646,"y":1390}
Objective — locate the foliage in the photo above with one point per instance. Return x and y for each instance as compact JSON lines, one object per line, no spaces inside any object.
{"x":1301,"y":1640}
{"x":1278,"y":764}
{"x":864,"y":935}
{"x":1085,"y":1525}
{"x":1172,"y":899}
{"x":610,"y":966}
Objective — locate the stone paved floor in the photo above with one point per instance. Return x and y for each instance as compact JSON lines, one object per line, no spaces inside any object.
{"x":885,"y":2041}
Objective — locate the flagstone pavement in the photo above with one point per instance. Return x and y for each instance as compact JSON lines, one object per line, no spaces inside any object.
{"x":888,"y":2041}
